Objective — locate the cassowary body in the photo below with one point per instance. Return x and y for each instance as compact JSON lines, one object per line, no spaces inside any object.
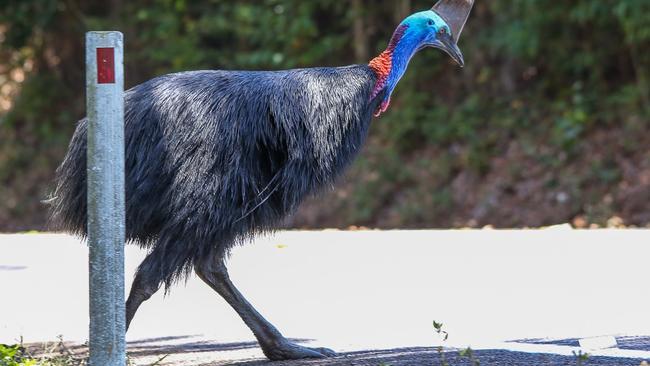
{"x":215,"y":157}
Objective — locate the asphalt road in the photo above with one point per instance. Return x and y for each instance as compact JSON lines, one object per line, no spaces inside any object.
{"x":358,"y":292}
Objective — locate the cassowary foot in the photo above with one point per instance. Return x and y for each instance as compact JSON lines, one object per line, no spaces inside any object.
{"x":291,"y":351}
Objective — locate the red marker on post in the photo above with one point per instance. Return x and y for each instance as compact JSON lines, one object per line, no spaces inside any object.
{"x":105,"y":65}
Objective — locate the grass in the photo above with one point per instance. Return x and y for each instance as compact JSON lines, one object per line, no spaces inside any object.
{"x":57,"y":354}
{"x":54,"y":354}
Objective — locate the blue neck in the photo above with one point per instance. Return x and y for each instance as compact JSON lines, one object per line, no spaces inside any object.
{"x":391,"y":65}
{"x":404,"y":51}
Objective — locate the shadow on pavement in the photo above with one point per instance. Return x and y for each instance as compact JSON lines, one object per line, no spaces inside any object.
{"x":634,"y":343}
{"x":638,"y":343}
{"x":430,"y":357}
{"x":183,"y":351}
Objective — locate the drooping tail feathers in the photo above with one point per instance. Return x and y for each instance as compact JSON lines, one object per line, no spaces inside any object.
{"x":68,"y":201}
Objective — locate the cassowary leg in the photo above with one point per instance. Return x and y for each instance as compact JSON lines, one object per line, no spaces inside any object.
{"x":143,"y":287}
{"x":273,"y":344}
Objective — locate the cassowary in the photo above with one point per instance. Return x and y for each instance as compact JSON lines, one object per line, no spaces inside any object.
{"x":215,"y":157}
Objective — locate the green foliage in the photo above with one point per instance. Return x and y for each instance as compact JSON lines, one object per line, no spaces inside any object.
{"x":463,"y":353}
{"x":469,"y":354}
{"x":581,"y":357}
{"x":13,"y":356}
{"x":543,"y":75}
{"x":438,"y":328}
{"x":52,"y":354}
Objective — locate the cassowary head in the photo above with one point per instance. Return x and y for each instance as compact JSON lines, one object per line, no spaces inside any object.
{"x":439,"y":27}
{"x":428,"y":29}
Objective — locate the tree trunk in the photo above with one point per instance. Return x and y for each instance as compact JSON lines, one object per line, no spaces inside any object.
{"x":115,"y":10}
{"x":402,"y":10}
{"x":359,"y":32}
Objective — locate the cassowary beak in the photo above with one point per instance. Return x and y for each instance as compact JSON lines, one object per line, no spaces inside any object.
{"x":446,"y":43}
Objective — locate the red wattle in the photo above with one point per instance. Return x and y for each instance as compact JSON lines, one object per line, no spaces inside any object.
{"x":381,"y":65}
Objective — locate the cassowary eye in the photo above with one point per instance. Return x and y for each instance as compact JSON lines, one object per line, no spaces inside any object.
{"x":442,"y":31}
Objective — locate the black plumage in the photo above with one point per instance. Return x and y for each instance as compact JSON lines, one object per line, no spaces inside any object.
{"x":213,"y":157}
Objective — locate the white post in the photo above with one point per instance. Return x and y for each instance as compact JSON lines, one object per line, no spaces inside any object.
{"x":105,"y":172}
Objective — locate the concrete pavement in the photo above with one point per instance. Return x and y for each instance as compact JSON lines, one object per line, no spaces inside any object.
{"x":357,"y":291}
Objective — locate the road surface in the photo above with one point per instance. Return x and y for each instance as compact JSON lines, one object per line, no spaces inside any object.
{"x":512,"y":295}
